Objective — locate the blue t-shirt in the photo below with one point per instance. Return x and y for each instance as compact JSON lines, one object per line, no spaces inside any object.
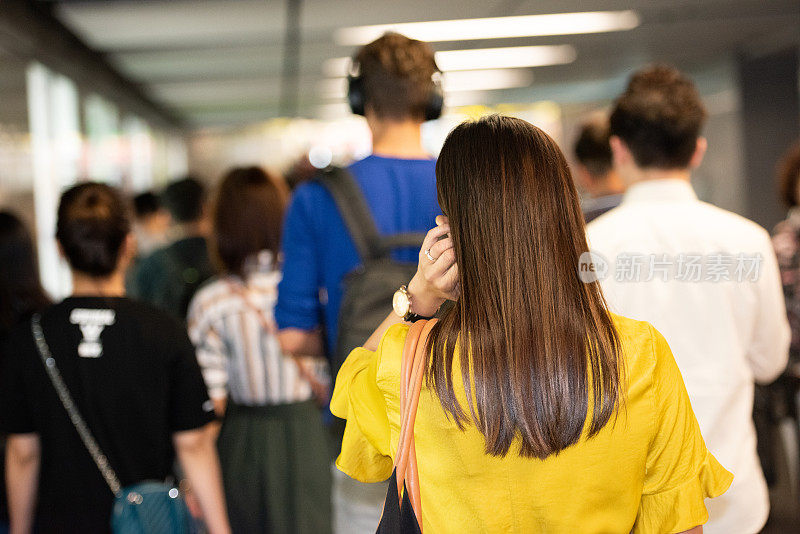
{"x":317,"y":248}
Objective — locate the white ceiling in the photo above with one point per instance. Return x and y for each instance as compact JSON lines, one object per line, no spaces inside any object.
{"x":218,"y":62}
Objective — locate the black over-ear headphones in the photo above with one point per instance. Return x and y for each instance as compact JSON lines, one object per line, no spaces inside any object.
{"x":356,"y":96}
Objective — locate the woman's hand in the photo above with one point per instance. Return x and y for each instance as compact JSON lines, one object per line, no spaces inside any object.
{"x":436,"y":280}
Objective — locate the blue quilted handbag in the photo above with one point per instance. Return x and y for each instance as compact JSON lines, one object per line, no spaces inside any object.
{"x":149,"y":507}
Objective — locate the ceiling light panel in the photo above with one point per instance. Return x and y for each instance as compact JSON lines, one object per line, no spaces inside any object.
{"x":481,"y":58}
{"x":452,"y":82}
{"x":496,"y":27}
{"x":507,"y":57}
{"x":485,"y":80}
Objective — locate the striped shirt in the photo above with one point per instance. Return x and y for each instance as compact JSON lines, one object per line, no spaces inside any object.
{"x":230,"y":324}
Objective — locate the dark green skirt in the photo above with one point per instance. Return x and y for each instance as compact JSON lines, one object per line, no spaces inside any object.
{"x":276,"y":470}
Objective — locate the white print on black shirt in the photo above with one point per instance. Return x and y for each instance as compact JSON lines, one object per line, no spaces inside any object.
{"x":91,"y":323}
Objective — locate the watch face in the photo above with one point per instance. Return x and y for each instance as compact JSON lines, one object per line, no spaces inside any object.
{"x":400,"y":303}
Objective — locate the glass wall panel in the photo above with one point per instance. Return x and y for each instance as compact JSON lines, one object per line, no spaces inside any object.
{"x":138,"y":154}
{"x":104,"y":158}
{"x":56,"y":148}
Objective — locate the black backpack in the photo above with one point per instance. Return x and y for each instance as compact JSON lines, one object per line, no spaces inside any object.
{"x":369,"y":288}
{"x":186,"y":276}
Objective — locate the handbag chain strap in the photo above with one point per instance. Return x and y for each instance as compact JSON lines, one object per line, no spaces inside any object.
{"x":72,"y":410}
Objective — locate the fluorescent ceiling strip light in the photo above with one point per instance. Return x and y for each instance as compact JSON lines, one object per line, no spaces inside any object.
{"x":333,"y":88}
{"x":504,"y":58}
{"x":481,"y":58}
{"x":495,"y":27}
{"x":467,"y":98}
{"x":452,"y":82}
{"x":336,"y":67}
{"x":485,"y":80}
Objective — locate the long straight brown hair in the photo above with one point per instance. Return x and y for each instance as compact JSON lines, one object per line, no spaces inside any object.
{"x":537,"y":347}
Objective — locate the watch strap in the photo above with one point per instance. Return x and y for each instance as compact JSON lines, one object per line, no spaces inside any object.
{"x":412,"y":317}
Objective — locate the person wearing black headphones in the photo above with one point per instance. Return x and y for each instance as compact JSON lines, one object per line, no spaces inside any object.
{"x":395,"y":85}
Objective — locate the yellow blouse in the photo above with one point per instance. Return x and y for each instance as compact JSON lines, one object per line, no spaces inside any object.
{"x":648,"y":471}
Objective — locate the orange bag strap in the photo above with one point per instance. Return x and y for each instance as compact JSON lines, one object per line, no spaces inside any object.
{"x":412,"y":372}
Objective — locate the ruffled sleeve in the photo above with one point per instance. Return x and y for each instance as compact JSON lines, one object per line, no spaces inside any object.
{"x":366,"y":454}
{"x":681,"y":473}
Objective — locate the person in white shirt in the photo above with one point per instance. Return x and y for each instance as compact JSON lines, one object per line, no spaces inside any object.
{"x":706,"y":278}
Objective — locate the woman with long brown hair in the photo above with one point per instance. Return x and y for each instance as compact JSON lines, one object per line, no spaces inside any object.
{"x":541,"y":410}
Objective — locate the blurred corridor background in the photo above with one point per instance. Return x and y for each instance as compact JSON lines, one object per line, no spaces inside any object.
{"x":137,"y":92}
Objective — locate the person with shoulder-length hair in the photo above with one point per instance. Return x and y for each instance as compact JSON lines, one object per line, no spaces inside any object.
{"x":21,"y":295}
{"x":542,"y":411}
{"x":21,"y":292}
{"x":272,"y":444}
{"x":131,"y":373}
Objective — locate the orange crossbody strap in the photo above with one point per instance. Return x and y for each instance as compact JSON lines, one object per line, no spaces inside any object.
{"x":412,"y":371}
{"x":406,"y":368}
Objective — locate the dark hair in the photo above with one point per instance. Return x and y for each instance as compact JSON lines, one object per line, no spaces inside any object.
{"x":92,"y":226}
{"x":184,"y":199}
{"x":247,"y":214}
{"x":396,"y":73}
{"x":592,"y":149}
{"x":145,"y":204}
{"x":659,"y":116}
{"x":789,"y":175}
{"x":21,"y":293}
{"x":540,"y":344}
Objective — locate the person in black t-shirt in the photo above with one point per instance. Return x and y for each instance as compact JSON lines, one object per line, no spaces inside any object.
{"x":132,"y":372}
{"x":21,"y":295}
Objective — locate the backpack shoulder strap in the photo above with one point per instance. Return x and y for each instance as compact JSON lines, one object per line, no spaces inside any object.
{"x":404,"y":240}
{"x":354,"y":210}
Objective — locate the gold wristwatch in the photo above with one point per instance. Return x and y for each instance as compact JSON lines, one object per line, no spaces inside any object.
{"x":402,"y":306}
